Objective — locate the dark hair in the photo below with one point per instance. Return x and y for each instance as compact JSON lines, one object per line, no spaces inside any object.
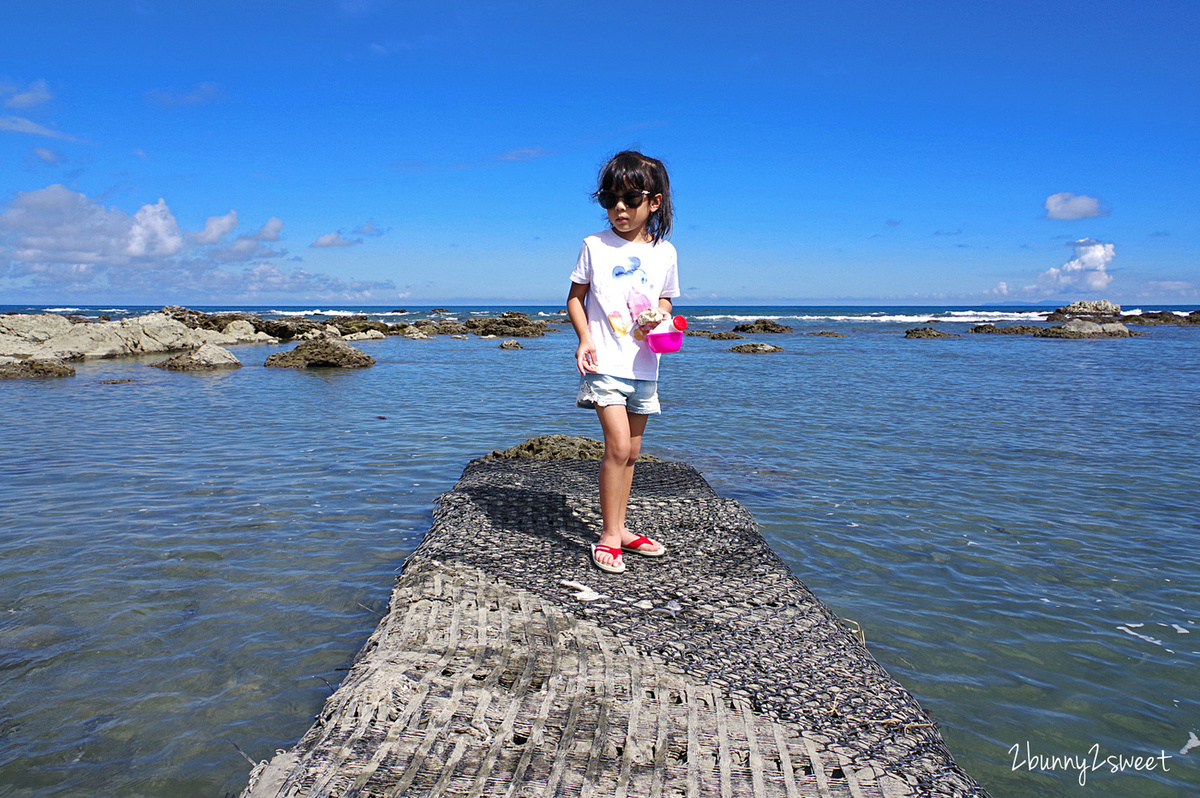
{"x":632,"y":170}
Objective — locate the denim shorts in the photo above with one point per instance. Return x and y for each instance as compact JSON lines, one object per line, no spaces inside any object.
{"x":638,"y":396}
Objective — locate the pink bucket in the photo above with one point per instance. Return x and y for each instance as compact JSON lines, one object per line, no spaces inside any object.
{"x":665,"y":341}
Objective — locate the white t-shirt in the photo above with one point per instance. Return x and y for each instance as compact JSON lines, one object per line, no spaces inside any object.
{"x":624,"y":278}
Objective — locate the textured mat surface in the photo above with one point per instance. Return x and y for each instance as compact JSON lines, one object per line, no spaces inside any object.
{"x":710,"y":671}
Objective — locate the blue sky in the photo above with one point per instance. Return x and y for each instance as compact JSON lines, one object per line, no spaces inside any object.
{"x":390,"y":153}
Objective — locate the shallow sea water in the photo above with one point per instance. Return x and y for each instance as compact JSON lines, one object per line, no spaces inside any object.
{"x":188,"y":562}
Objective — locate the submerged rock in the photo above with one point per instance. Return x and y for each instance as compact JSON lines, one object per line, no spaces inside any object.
{"x":324,"y":353}
{"x":1079,"y":328}
{"x":762,"y":326}
{"x":12,"y":368}
{"x":1015,"y":329}
{"x":755,"y":349}
{"x":827,"y":334}
{"x":511,"y":343}
{"x":928,"y":332}
{"x":509,"y":324}
{"x":206,"y":358}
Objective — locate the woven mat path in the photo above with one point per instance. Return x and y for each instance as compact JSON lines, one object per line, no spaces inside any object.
{"x":711,"y":671}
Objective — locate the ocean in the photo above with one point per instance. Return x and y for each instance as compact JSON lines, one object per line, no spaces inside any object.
{"x":189,"y":562}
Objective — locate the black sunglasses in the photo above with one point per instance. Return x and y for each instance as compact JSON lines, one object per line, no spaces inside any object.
{"x":632,"y":199}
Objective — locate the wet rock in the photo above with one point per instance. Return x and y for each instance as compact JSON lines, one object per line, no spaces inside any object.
{"x":755,"y":349}
{"x":324,"y":353}
{"x":366,"y":335}
{"x":559,"y":447}
{"x":762,"y":326}
{"x":511,"y":343}
{"x":1100,"y":307}
{"x":289,"y":327}
{"x":12,"y":368}
{"x":451,"y":328}
{"x":928,"y":332}
{"x":1015,"y":329}
{"x":207,"y":358}
{"x":1081,"y":328}
{"x":359,"y":324}
{"x":827,"y":334}
{"x":52,"y":337}
{"x":509,"y":324}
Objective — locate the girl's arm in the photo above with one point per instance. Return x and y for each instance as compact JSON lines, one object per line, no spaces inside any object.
{"x":665,"y":305}
{"x":585,"y":353}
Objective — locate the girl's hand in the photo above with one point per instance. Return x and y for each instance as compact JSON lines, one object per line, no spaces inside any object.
{"x":585,"y":357}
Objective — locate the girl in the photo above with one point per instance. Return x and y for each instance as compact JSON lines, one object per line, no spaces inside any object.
{"x":623,"y":274}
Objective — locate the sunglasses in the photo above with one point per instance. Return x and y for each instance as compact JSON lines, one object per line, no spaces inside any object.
{"x":609,"y":199}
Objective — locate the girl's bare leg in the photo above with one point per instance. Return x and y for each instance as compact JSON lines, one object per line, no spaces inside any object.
{"x":622,"y":443}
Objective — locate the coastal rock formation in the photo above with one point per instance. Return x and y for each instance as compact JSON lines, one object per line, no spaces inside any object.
{"x":827,"y":334}
{"x":206,"y":358}
{"x":1079,"y":328}
{"x":928,"y":332}
{"x":511,"y":343}
{"x":452,"y":328}
{"x":510,"y":324}
{"x":1015,"y":329}
{"x":1100,"y":307}
{"x":52,"y":337}
{"x":12,"y":368}
{"x":366,"y":335}
{"x":324,"y":353}
{"x":559,"y":447}
{"x":762,"y":326}
{"x":755,"y":349}
{"x":722,"y":335}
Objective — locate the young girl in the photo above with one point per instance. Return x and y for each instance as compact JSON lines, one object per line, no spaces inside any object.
{"x":622,"y":273}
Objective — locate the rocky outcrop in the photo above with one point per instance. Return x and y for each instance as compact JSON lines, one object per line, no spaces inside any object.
{"x":511,"y":343}
{"x":1015,"y":329}
{"x":827,"y":334}
{"x":322,"y":353}
{"x":928,"y":332}
{"x":12,"y":368}
{"x":722,"y":335}
{"x":206,"y":358}
{"x":52,"y":337}
{"x":559,"y":447}
{"x":755,"y":349}
{"x":510,"y":324}
{"x":1080,"y":328}
{"x":366,"y":335}
{"x":762,"y":326}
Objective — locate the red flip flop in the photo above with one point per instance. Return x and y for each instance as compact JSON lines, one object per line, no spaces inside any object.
{"x":637,"y":546}
{"x":618,"y":566}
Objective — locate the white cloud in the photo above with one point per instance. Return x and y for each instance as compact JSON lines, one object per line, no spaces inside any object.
{"x":16,"y":124}
{"x":155,"y":233}
{"x":334,"y":240}
{"x":271,"y":230}
{"x":1065,"y":205}
{"x":46,"y":154}
{"x":1156,"y":288}
{"x":37,"y":93}
{"x":216,"y":228}
{"x":370,"y":229}
{"x":56,"y":242}
{"x":1087,"y":271}
{"x":1001,"y":289}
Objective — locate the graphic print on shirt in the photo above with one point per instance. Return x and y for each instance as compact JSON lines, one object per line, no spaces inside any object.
{"x":629,"y":274}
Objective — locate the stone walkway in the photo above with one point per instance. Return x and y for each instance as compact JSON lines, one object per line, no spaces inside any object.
{"x":711,"y":671}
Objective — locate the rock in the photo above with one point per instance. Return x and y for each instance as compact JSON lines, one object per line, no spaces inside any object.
{"x":1080,"y":328}
{"x":206,"y":358}
{"x":1100,"y":307}
{"x":451,"y":328}
{"x":460,"y":337}
{"x":366,"y":335}
{"x":46,"y":338}
{"x":289,"y":327}
{"x":762,"y":326}
{"x":511,"y":343}
{"x":324,"y":353}
{"x":928,"y":332}
{"x":439,"y":310}
{"x":415,"y":333}
{"x":1016,"y":329}
{"x":827,"y":334}
{"x":509,"y":324}
{"x":12,"y":368}
{"x":755,"y":349}
{"x":359,"y":324}
{"x":559,"y":447}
